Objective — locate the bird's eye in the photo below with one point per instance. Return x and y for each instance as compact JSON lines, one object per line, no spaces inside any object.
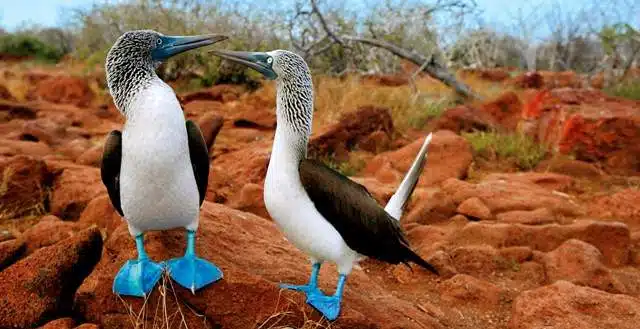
{"x":159,"y":42}
{"x":269,"y":60}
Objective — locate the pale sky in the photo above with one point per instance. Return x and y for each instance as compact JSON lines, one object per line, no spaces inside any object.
{"x":14,"y":13}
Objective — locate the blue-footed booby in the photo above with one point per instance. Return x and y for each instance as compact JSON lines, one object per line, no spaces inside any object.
{"x":155,"y":170}
{"x":320,"y":211}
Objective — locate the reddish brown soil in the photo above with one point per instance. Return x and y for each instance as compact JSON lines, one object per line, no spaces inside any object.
{"x":557,"y":247}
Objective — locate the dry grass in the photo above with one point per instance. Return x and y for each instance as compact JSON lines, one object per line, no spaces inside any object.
{"x":278,"y":319}
{"x":169,"y":311}
{"x":163,"y":317}
{"x":26,"y":208}
{"x":335,"y":96}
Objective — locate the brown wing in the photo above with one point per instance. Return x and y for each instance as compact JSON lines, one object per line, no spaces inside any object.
{"x":199,"y":155}
{"x":363,"y":224}
{"x":110,"y":168}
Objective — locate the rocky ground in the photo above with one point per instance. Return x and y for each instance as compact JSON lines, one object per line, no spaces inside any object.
{"x":554,"y":247}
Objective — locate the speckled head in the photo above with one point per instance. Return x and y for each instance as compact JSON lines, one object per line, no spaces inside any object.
{"x":293,"y":82}
{"x":132,"y":60}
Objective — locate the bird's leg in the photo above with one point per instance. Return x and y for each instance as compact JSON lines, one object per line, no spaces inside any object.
{"x":137,"y":277}
{"x":309,"y":288}
{"x":329,"y":306}
{"x":190,"y":271}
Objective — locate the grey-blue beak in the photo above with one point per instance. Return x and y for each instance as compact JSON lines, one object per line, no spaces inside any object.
{"x":255,"y":60}
{"x":172,"y":45}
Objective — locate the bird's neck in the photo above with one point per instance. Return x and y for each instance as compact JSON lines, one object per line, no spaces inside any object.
{"x":127,"y":78}
{"x":294,"y":114}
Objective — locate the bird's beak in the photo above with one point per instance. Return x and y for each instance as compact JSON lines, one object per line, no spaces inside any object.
{"x":254,"y":60}
{"x":173,"y":45}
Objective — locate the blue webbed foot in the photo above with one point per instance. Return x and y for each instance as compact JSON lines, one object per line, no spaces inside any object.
{"x":193,"y":272}
{"x":190,"y":271}
{"x":329,"y":306}
{"x":137,"y":277}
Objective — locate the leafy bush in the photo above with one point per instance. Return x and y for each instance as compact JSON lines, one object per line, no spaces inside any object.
{"x":23,"y":45}
{"x":248,"y":28}
{"x":524,"y":151}
{"x":626,"y":89}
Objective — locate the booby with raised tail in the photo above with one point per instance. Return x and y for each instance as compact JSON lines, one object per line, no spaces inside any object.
{"x":323,"y":213}
{"x":156,"y":170}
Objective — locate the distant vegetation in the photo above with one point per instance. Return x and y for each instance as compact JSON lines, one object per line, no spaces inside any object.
{"x":588,"y":39}
{"x":521,"y":149}
{"x":627,"y":89}
{"x":28,"y":46}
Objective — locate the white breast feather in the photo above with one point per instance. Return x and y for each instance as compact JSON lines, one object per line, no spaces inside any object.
{"x":157,"y":186}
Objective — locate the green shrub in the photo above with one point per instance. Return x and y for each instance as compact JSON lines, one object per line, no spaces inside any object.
{"x":521,"y":149}
{"x":22,"y":45}
{"x":627,"y":89}
{"x":429,"y":109}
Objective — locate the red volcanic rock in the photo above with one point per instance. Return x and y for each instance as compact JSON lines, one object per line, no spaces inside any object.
{"x":474,"y":208}
{"x":528,"y":80}
{"x":569,"y":167}
{"x":566,"y":79}
{"x":502,"y":112}
{"x":564,"y":305}
{"x":493,"y":75}
{"x":64,"y":90}
{"x":338,"y":139}
{"x":250,"y":199}
{"x":594,"y":127}
{"x":13,"y":110}
{"x":17,"y":147}
{"x":549,"y":181}
{"x":254,"y":257}
{"x":464,"y":118}
{"x":100,"y":211}
{"x":72,"y":190}
{"x":227,"y":177}
{"x":49,"y":231}
{"x":437,"y":207}
{"x":538,"y":216}
{"x":620,"y":205}
{"x":87,"y":326}
{"x":506,"y":110}
{"x":423,"y":235}
{"x":477,"y":260}
{"x":24,"y":186}
{"x":219,"y":93}
{"x":376,"y":142}
{"x":10,"y":251}
{"x":611,"y":238}
{"x":64,"y":323}
{"x":465,"y":290}
{"x":210,"y":125}
{"x":580,"y":263}
{"x":75,"y":148}
{"x":33,"y":297}
{"x":6,"y":94}
{"x":449,"y":155}
{"x":516,"y":254}
{"x":442,"y":262}
{"x":91,"y":157}
{"x":508,"y":195}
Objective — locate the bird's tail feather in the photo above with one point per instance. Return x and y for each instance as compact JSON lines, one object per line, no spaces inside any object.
{"x":398,"y":200}
{"x":413,"y":257}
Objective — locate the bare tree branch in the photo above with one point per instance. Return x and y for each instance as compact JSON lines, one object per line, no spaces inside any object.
{"x":432,"y":67}
{"x":323,"y":22}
